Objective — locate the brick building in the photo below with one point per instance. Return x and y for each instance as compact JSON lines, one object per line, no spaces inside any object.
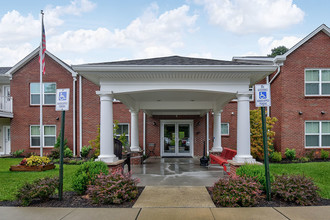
{"x":164,"y":116}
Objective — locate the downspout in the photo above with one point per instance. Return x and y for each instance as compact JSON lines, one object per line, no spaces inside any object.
{"x":269,"y":82}
{"x":144,"y":133}
{"x":207,"y":133}
{"x":80,"y":113}
{"x":74,"y":114}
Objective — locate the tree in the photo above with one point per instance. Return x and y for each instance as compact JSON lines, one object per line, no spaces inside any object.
{"x":257,"y":149}
{"x":278,"y":51}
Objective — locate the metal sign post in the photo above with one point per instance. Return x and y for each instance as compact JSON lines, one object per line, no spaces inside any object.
{"x":62,"y":104}
{"x":262,"y":94}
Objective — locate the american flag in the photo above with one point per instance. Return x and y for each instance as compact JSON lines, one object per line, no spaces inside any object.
{"x":43,"y":47}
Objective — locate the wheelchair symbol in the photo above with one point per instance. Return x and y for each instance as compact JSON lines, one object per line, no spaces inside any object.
{"x":262,"y":95}
{"x":62,"y":96}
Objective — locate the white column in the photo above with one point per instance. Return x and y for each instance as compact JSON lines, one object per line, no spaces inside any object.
{"x":135,"y":130}
{"x":243,"y":129}
{"x":106,"y":129}
{"x":217,"y":132}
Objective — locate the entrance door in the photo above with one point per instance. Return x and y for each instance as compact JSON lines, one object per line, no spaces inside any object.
{"x":6,"y":139}
{"x":177,"y":138}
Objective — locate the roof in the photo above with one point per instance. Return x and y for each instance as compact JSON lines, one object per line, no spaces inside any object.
{"x":34,"y":53}
{"x":3,"y":70}
{"x":173,"y":61}
{"x":323,"y":27}
{"x":262,"y":60}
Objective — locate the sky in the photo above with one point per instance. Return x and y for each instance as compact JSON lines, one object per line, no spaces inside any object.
{"x":91,"y":31}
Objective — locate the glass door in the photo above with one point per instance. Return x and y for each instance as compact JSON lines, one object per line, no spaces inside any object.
{"x":176,"y":138}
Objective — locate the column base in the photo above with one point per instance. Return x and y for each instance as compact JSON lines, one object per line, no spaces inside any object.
{"x":135,"y":148}
{"x":107,"y":158}
{"x":216,"y":149}
{"x":244,"y":159}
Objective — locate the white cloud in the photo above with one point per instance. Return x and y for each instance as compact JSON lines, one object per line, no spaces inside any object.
{"x":147,"y":35}
{"x":252,"y":16}
{"x":9,"y":56}
{"x":266,"y":44}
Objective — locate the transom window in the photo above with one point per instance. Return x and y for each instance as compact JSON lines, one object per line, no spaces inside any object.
{"x":49,"y":135}
{"x":224,"y":128}
{"x":49,"y":93}
{"x":317,"y":134}
{"x":123,"y":129}
{"x":317,"y":82}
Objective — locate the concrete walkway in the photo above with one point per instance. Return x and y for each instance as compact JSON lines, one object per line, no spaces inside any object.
{"x":293,"y":213}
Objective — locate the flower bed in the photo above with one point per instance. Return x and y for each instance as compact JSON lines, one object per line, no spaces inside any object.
{"x":32,"y":168}
{"x":33,"y":163}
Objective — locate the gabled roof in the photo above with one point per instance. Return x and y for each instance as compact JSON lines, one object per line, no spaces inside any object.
{"x":323,"y":27}
{"x":3,"y":70}
{"x":173,"y":61}
{"x":34,"y":53}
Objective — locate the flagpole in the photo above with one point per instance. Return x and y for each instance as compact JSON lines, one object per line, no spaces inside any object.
{"x":41,"y":86}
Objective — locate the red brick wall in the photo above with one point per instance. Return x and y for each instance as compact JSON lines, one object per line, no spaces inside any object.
{"x":26,"y":115}
{"x":288,"y":96}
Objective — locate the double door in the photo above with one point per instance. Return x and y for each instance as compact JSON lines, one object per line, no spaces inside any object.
{"x":177,"y":138}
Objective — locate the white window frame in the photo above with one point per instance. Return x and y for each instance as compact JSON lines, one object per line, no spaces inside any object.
{"x":44,"y":136}
{"x":319,"y":82}
{"x":228,"y":129}
{"x":318,"y":134}
{"x":127,"y":135}
{"x":43,"y":100}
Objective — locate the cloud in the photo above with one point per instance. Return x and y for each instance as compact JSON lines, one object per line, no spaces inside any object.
{"x":148,"y":35}
{"x":9,"y":56}
{"x":266,"y":44}
{"x":252,"y":16}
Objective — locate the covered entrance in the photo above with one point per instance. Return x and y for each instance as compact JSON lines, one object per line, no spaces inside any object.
{"x":175,"y":86}
{"x":177,"y":138}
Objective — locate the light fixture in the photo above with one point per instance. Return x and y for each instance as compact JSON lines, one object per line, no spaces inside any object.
{"x":322,"y":112}
{"x":300,"y":113}
{"x":154,"y":123}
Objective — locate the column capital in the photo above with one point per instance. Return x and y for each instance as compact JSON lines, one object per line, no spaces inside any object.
{"x":243,"y":96}
{"x":134,"y":111}
{"x":105,"y":95}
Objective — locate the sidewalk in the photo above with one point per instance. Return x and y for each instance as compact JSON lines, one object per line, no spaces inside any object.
{"x":293,"y":213}
{"x":168,"y":202}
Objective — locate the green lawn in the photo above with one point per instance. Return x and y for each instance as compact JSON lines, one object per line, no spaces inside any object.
{"x":319,"y":171}
{"x":11,"y":181}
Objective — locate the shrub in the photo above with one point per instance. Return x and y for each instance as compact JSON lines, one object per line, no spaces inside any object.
{"x":39,"y":189}
{"x":324,"y":154}
{"x":296,"y":188}
{"x":276,"y":157}
{"x":257,"y":149}
{"x":18,"y":153}
{"x":304,"y":159}
{"x":310,"y":154}
{"x":254,"y":171}
{"x":236,"y":191}
{"x":113,"y":188}
{"x":86,"y":175}
{"x":85,"y":151}
{"x":290,"y":154}
{"x":35,"y":161}
{"x":56,"y":152}
{"x":68,"y":153}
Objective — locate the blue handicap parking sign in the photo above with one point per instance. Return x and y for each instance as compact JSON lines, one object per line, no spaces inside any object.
{"x":262,"y":95}
{"x":62,"y":96}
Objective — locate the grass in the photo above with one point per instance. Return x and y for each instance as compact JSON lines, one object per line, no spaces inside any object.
{"x":10,"y":182}
{"x":318,"y":171}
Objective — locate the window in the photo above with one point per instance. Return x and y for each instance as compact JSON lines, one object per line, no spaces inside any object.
{"x":317,"y":82}
{"x":123,"y":129}
{"x":49,"y":93}
{"x":49,"y":135}
{"x":224,"y":128}
{"x":317,"y":134}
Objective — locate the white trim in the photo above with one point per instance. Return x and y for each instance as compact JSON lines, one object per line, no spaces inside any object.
{"x":176,"y":123}
{"x":144,"y":132}
{"x":319,"y":134}
{"x":208,"y":132}
{"x":128,"y":133}
{"x":74,"y":115}
{"x":44,"y":136}
{"x":80,"y":113}
{"x":4,"y":133}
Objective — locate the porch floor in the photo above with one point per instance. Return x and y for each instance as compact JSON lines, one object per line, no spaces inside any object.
{"x":176,"y":172}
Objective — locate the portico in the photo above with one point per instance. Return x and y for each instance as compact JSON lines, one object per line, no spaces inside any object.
{"x":174,"y":86}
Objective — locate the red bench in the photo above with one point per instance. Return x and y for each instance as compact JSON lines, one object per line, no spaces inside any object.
{"x":227,"y":154}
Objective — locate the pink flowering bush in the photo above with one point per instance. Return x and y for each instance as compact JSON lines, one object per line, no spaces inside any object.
{"x":113,"y":188}
{"x":296,"y":188}
{"x":237,"y":191}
